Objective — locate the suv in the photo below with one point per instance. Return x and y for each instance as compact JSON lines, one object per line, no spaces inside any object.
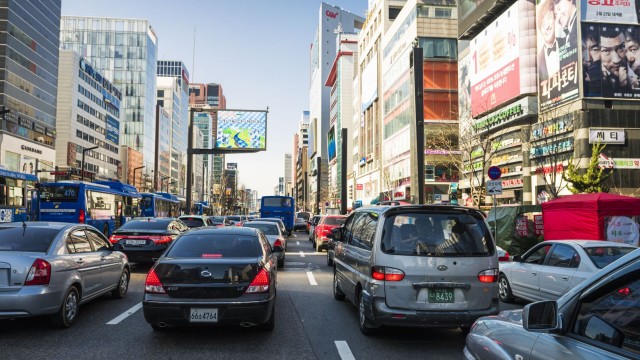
{"x":416,"y":265}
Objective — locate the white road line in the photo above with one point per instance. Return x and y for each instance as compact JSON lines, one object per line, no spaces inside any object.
{"x":344,"y":351}
{"x":297,"y":242}
{"x":301,"y":254}
{"x":312,"y":280}
{"x":126,"y":314}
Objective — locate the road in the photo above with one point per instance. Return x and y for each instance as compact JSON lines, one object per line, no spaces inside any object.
{"x":310,"y":324}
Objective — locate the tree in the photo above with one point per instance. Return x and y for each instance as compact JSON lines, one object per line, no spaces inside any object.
{"x":592,"y":180}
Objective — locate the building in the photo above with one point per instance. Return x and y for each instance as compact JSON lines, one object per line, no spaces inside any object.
{"x":230,"y":194}
{"x":288,"y":177}
{"x":162,"y":180}
{"x":88,"y":117}
{"x":29,"y":84}
{"x":204,"y":122}
{"x":198,"y":190}
{"x":300,"y":151}
{"x":124,"y":50}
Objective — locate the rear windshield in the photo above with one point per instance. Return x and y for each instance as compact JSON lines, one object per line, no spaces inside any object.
{"x":426,"y":234}
{"x":267,"y":229}
{"x":605,"y":255}
{"x":215,"y":246}
{"x":333,"y":221}
{"x":234,"y":218}
{"x":193,"y":222}
{"x":303,"y":215}
{"x":217,"y":219}
{"x":152,"y":224}
{"x":30,"y":239}
{"x":60,"y":192}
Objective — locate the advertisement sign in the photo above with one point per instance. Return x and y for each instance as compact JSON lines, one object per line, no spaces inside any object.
{"x":464,"y":93}
{"x":538,"y":224}
{"x":331,"y":143}
{"x":232,"y":166}
{"x":313,"y":132}
{"x":241,"y":130}
{"x":369,"y":84}
{"x":521,"y":226}
{"x":500,"y":67}
{"x":622,"y":229}
{"x":113,"y":130}
{"x":611,"y":11}
{"x":557,"y":53}
{"x":606,"y":136}
{"x":610,"y":65}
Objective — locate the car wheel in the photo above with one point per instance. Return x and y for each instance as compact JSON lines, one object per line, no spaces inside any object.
{"x":337,"y":293}
{"x":363,"y":322}
{"x":123,"y":285}
{"x":329,"y":260}
{"x":318,"y":249}
{"x":155,"y":327}
{"x":271,"y":323}
{"x":68,"y":312}
{"x":281,"y":264}
{"x":504,"y":290}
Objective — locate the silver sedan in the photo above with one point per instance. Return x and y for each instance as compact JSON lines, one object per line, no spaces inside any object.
{"x":53,"y":268}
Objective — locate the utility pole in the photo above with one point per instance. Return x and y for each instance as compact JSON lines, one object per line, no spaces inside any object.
{"x":82,"y":167}
{"x":417,"y":153}
{"x":343,"y":170}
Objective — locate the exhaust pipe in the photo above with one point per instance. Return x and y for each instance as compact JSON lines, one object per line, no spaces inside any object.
{"x":162,"y":324}
{"x":247,"y":324}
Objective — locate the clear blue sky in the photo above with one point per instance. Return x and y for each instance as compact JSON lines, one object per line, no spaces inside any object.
{"x":257,"y":49}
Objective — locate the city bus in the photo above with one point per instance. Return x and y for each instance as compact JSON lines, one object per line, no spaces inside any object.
{"x":105,"y":205}
{"x":282,"y":207}
{"x":203,"y":208}
{"x":159,"y":205}
{"x":16,"y":193}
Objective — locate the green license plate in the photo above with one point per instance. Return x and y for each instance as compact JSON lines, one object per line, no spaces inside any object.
{"x":444,"y":295}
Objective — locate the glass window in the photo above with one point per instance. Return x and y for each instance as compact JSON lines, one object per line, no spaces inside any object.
{"x":394,"y":12}
{"x":213,"y":245}
{"x":147,"y":224}
{"x":605,"y":255}
{"x":364,"y":230}
{"x":538,"y":255}
{"x":29,"y":239}
{"x":99,"y":243}
{"x":80,"y":241}
{"x":60,"y":193}
{"x":564,"y":256}
{"x":267,"y":229}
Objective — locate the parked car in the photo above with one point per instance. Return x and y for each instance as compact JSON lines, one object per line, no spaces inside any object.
{"x":195,"y":221}
{"x":416,"y":265}
{"x":220,"y":221}
{"x":551,"y":268}
{"x":145,"y":239}
{"x":278,"y":221}
{"x":299,"y":224}
{"x":324,"y":227}
{"x":52,"y":268}
{"x":312,"y":226}
{"x":503,"y":255}
{"x":224,"y":276}
{"x":597,"y":319}
{"x":276,"y":237}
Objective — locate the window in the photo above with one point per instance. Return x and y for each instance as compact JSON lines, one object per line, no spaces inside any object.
{"x":80,"y":242}
{"x":442,"y":13}
{"x":394,"y":12}
{"x":564,"y":256}
{"x":439,"y":48}
{"x":98,"y":242}
{"x":364,"y":230}
{"x":538,"y":255}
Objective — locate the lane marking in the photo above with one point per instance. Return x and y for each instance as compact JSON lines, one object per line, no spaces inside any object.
{"x":297,"y":242}
{"x":312,"y":280}
{"x":344,"y":351}
{"x":293,"y":263}
{"x":126,"y":314}
{"x":301,"y":253}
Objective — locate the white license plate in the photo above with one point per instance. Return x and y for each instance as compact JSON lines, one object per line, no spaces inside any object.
{"x":136,"y":242}
{"x":203,"y":315}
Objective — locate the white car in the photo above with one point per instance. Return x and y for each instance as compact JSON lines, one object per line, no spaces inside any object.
{"x":551,"y":268}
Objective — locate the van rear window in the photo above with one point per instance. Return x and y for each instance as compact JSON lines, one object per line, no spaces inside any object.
{"x":428,"y":234}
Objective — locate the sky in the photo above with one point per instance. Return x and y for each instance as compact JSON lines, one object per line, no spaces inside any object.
{"x":258,"y":50}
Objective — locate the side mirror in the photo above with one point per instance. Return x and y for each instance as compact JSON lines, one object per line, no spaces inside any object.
{"x":596,"y":328}
{"x":118,"y":247}
{"x":335,"y":234}
{"x":517,"y":258}
{"x":541,"y":316}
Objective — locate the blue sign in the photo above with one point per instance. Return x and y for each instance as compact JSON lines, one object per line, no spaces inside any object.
{"x":494,"y":173}
{"x":113,"y":130}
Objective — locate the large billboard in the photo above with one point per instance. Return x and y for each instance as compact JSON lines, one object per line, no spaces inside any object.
{"x":502,"y":66}
{"x":557,"y":52}
{"x":611,"y":62}
{"x":241,"y":130}
{"x":113,"y":130}
{"x":331,"y":143}
{"x":611,"y":11}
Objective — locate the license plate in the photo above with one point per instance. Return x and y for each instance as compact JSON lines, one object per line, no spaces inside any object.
{"x":136,"y":242}
{"x":444,"y":295}
{"x":203,"y":315}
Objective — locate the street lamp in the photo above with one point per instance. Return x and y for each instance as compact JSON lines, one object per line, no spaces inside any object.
{"x":134,"y":174}
{"x":84,"y":151}
{"x":162,"y":181}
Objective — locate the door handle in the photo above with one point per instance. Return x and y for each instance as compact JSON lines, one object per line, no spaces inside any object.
{"x":80,"y":261}
{"x":534,"y":274}
{"x":565,"y":278}
{"x":103,"y":258}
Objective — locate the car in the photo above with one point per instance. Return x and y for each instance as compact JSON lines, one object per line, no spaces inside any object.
{"x":52,"y":268}
{"x":551,"y":268}
{"x":276,"y":238}
{"x":213,"y":277}
{"x":145,"y":239}
{"x":220,"y":221}
{"x":299,"y":224}
{"x":597,"y":319}
{"x":283,"y":228}
{"x":237,"y":220}
{"x":503,"y":255}
{"x":195,"y":221}
{"x":416,"y":266}
{"x":312,"y":226}
{"x":306,"y":216}
{"x":323,"y":228}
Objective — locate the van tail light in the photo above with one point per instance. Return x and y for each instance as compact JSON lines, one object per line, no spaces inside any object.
{"x":260,"y":283}
{"x":386,"y":273}
{"x":81,"y":217}
{"x":279,"y":242}
{"x":115,"y":238}
{"x":488,"y":276}
{"x":153,"y":285}
{"x":39,"y":274}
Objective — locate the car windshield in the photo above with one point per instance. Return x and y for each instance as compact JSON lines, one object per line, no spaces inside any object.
{"x":427,"y":234}
{"x":333,"y":221}
{"x":206,"y":245}
{"x":29,"y":239}
{"x":193,"y":222}
{"x":602,"y":256}
{"x":267,"y":229}
{"x":151,"y":224}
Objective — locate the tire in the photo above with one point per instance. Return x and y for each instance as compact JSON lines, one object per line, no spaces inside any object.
{"x":337,"y":293}
{"x":105,"y":230}
{"x":120,"y":292}
{"x":318,"y":249}
{"x":68,"y":312}
{"x":504,"y":290}
{"x":156,"y":327}
{"x":329,"y":260}
{"x":365,"y":329}
{"x":281,"y":264}
{"x":271,"y":323}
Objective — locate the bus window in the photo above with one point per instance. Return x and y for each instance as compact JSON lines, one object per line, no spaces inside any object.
{"x":3,"y":195}
{"x":60,"y":193}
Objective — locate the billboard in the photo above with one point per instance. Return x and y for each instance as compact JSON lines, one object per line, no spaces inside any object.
{"x":611,"y":11}
{"x":609,"y":53}
{"x":241,"y":130}
{"x":331,"y":143}
{"x":501,"y":64}
{"x":113,"y":130}
{"x":557,"y":53}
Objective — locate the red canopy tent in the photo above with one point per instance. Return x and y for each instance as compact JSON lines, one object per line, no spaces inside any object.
{"x":582,"y":216}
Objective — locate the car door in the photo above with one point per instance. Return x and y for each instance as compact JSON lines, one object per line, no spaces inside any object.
{"x":87,"y":260}
{"x":351,"y":256}
{"x":525,"y":274}
{"x":557,"y":273}
{"x":111,"y":266}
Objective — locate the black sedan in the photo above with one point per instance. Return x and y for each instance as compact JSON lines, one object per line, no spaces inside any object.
{"x":145,"y":239}
{"x":213,"y":276}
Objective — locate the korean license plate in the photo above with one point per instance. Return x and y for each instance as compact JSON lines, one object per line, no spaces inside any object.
{"x":443,"y":295}
{"x":203,"y":315}
{"x":136,"y":242}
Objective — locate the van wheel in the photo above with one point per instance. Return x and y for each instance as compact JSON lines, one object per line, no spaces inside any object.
{"x":68,"y":312}
{"x":105,"y":230}
{"x":363,"y":322}
{"x":337,"y":293}
{"x":504,"y":290}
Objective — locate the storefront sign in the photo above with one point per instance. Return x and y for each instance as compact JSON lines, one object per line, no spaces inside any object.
{"x":519,"y":109}
{"x":521,"y":226}
{"x":606,"y":136}
{"x":551,"y":128}
{"x":555,"y":148}
{"x":359,"y":187}
{"x":626,"y":163}
{"x":29,"y":148}
{"x":50,"y":132}
{"x":25,"y":123}
{"x":71,"y":154}
{"x":39,"y":128}
{"x":539,"y":226}
{"x":510,"y":183}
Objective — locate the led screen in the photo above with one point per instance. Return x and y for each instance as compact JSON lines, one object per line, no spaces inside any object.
{"x":241,"y":130}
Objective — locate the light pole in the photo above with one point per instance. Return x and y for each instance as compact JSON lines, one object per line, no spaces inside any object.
{"x":84,"y":151}
{"x":134,"y":174}
{"x":162,"y":181}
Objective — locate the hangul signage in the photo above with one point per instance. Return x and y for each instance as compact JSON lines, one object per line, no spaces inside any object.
{"x":606,"y":136}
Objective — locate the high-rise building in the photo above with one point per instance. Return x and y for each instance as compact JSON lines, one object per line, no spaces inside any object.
{"x":288,"y":177}
{"x":162,"y":169}
{"x":29,"y":84}
{"x":124,"y":50}
{"x":300,"y":145}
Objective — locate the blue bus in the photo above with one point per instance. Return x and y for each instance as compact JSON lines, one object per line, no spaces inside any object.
{"x":159,"y":205}
{"x":282,"y":207}
{"x":202,"y":208}
{"x":106,"y":205}
{"x":16,"y":193}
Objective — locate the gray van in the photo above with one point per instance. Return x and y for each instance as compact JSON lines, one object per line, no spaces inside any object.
{"x":416,"y":265}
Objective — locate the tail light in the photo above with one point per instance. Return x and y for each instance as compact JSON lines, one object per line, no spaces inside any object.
{"x":386,"y":273}
{"x":279,"y":242}
{"x":161,"y":239}
{"x":488,"y":276}
{"x":260,"y":283}
{"x":115,"y":238}
{"x":39,"y":274}
{"x":505,"y":257}
{"x":81,"y":216}
{"x":152,"y":284}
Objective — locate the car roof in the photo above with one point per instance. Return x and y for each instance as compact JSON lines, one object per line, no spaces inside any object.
{"x":40,"y":224}
{"x":590,"y":243}
{"x":262,"y":222}
{"x":227,"y":230}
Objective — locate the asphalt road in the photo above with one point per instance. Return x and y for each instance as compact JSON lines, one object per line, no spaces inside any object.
{"x":310,"y":324}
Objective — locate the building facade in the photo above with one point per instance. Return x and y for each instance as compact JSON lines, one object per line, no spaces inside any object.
{"x":288,"y":174}
{"x":300,"y":151}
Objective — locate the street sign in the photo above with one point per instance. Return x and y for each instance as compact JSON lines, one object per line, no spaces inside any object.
{"x":494,"y":187}
{"x":494,"y":172}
